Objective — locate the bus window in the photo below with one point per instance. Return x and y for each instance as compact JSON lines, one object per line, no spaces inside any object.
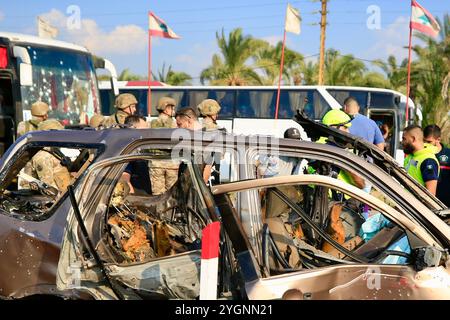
{"x":225,"y":98}
{"x":65,"y":80}
{"x":383,"y":100}
{"x":107,"y":101}
{"x":310,"y":101}
{"x":197,"y":96}
{"x":256,"y":104}
{"x":360,"y":96}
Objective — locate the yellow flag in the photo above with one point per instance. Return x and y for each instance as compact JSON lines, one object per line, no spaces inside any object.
{"x":292,"y":23}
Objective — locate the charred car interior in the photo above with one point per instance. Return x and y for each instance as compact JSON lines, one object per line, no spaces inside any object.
{"x":38,"y":177}
{"x":150,"y":244}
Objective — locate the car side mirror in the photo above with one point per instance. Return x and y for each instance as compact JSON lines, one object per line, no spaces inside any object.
{"x":426,"y":257}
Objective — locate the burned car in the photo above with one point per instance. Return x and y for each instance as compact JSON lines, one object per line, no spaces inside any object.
{"x":304,"y":233}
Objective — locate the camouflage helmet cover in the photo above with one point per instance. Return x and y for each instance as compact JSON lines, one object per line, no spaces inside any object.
{"x":96,"y":120}
{"x":164,"y":102}
{"x":39,"y":108}
{"x":124,"y":100}
{"x":50,"y":124}
{"x":209,"y":107}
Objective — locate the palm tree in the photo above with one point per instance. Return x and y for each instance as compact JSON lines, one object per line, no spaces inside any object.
{"x":431,"y":74}
{"x":268,"y":59}
{"x":127,"y":75}
{"x":396,"y":74}
{"x":343,"y":69}
{"x":230,"y":68}
{"x":171,"y":77}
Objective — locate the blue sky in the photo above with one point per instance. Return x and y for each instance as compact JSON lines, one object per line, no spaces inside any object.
{"x":117,"y":30}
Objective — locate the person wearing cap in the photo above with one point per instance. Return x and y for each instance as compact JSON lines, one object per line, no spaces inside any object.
{"x":363,"y":126}
{"x":46,"y":165}
{"x":126,"y":104}
{"x":166,"y":109}
{"x":338,"y":119}
{"x":163,"y":173}
{"x":39,"y":113}
{"x":209,"y":109}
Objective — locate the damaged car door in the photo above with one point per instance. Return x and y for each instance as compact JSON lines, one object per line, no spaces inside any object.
{"x":385,"y":255}
{"x":148,"y":246}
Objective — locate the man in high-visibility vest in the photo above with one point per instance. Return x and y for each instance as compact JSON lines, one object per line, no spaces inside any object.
{"x":420,"y":163}
{"x":338,"y":119}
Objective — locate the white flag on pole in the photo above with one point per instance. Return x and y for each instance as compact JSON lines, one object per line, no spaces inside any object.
{"x":292,"y":23}
{"x":45,"y":30}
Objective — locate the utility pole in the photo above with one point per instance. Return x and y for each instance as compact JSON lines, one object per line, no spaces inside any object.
{"x":323,"y":24}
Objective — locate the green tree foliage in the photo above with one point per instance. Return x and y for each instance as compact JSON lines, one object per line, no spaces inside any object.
{"x":430,"y":78}
{"x":171,"y":77}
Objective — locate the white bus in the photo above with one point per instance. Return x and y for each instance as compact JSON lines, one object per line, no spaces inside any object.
{"x":59,"y":73}
{"x":241,"y":106}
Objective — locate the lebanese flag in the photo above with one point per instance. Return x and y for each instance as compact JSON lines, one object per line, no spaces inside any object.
{"x":157,"y":27}
{"x":209,"y":266}
{"x":423,"y":21}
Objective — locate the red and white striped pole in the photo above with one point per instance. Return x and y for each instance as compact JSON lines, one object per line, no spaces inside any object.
{"x":210,"y":261}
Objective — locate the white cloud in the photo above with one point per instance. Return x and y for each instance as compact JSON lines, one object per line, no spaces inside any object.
{"x":122,"y":40}
{"x":197,"y":58}
{"x":392,"y":40}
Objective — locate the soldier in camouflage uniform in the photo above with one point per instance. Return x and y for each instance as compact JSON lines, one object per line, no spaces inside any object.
{"x":45,"y":166}
{"x":209,"y":110}
{"x":96,"y":121}
{"x":126,"y":105}
{"x":166,"y":109}
{"x":164,"y":173}
{"x":39,"y":113}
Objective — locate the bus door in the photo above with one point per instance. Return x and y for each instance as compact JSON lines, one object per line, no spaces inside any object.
{"x":387,"y":121}
{"x":7,"y":112}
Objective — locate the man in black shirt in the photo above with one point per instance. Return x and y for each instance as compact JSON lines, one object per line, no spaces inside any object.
{"x":432,"y":135}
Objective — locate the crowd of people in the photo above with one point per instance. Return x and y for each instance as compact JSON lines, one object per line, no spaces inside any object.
{"x":426,"y":157}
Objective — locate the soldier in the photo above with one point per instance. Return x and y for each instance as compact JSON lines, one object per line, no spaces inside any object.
{"x":166,"y":109}
{"x":126,"y":105}
{"x":163,"y":173}
{"x":209,"y":109}
{"x":97,"y":121}
{"x":39,"y":113}
{"x":46,"y":166}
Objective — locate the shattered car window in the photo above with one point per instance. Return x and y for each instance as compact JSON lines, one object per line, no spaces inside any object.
{"x":35,"y":181}
{"x":163,"y":218}
{"x":308,"y":225}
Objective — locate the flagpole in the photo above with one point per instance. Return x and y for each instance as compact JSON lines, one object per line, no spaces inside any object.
{"x":149,"y":91}
{"x":281,"y":73}
{"x":408,"y":80}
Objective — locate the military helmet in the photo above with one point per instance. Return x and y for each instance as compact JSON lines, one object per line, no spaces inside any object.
{"x":208,"y":107}
{"x":39,"y":108}
{"x":164,"y":102}
{"x":292,"y":133}
{"x":96,"y":120}
{"x":337,"y":117}
{"x":124,"y":100}
{"x":50,"y":124}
